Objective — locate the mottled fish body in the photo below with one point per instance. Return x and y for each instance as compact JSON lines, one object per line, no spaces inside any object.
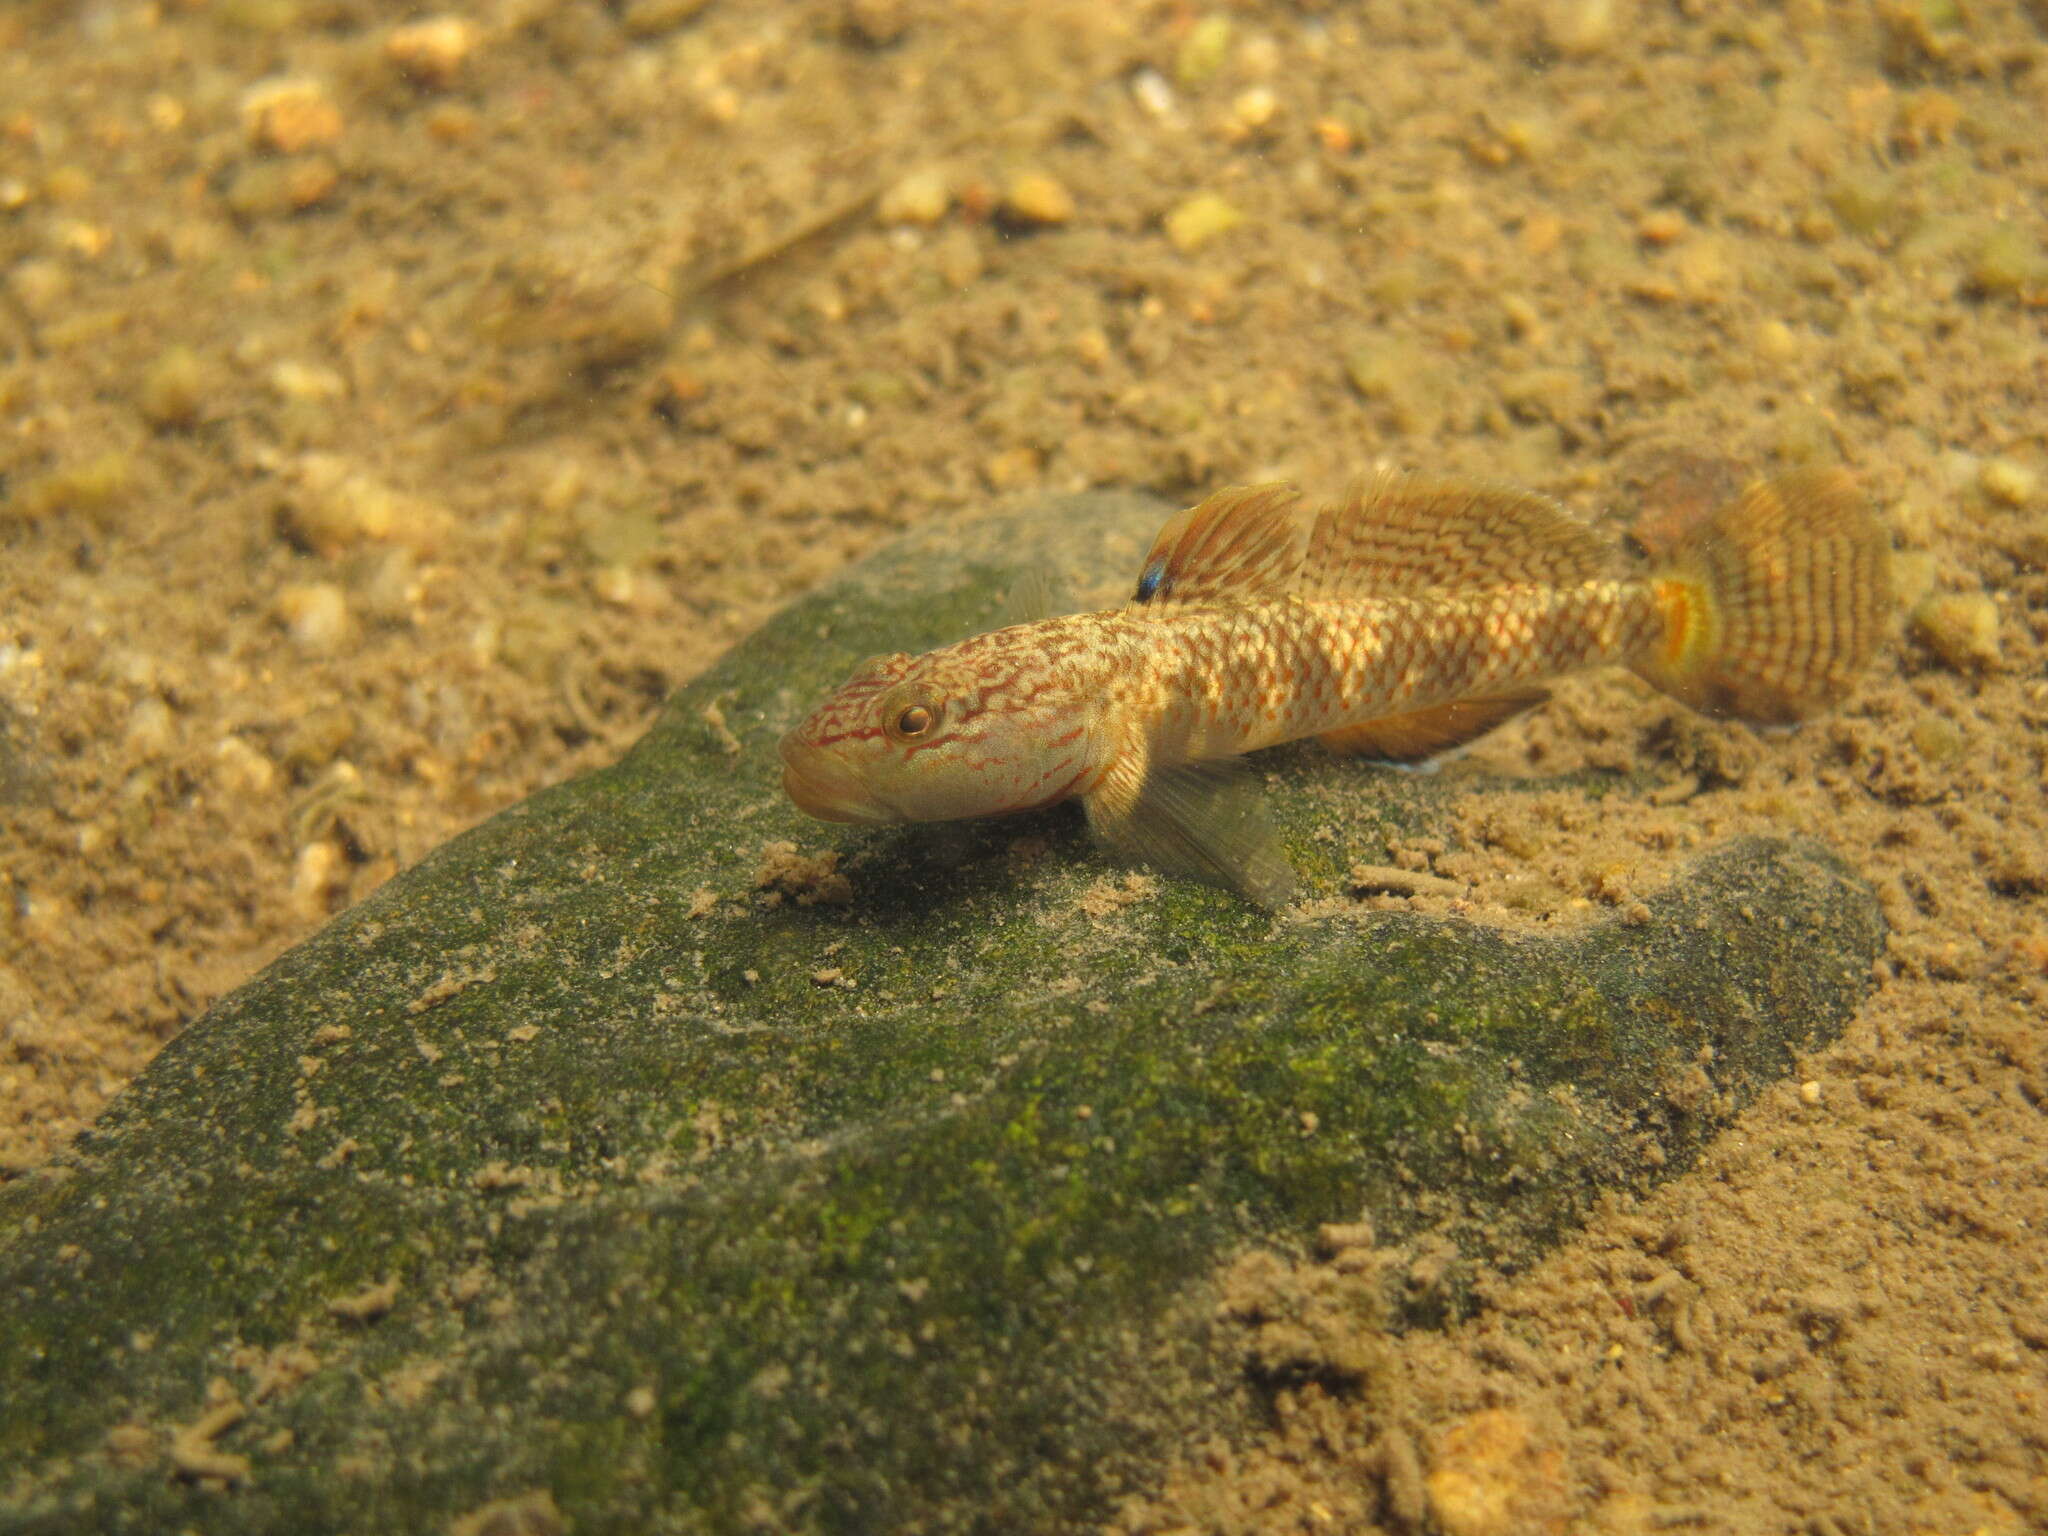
{"x":1413,"y":617}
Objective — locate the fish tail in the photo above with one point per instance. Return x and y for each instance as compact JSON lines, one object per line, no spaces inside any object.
{"x":1774,"y":602}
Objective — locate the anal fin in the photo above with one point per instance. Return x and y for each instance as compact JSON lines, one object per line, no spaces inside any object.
{"x":1421,"y":733}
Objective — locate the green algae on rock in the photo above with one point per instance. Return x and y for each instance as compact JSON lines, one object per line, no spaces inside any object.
{"x":625,"y":1154}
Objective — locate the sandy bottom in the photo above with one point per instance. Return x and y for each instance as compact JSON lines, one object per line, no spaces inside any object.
{"x":391,"y":415}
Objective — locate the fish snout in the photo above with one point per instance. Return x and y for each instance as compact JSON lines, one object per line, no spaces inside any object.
{"x":820,"y":784}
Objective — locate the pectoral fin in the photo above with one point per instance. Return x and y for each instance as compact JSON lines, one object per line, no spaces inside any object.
{"x":1205,"y":821}
{"x":1035,"y":594}
{"x":1425,"y":732}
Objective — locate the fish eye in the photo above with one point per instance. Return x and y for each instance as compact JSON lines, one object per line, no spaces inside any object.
{"x":912,"y":721}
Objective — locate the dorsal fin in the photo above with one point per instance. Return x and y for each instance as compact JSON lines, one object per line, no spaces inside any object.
{"x":1238,"y":544}
{"x":1399,"y":535}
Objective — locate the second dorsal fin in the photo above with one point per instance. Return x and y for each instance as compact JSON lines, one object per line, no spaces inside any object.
{"x":1398,"y":535}
{"x":1238,"y":544}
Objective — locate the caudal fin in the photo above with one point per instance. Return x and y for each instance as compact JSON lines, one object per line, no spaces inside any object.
{"x":1774,"y":602}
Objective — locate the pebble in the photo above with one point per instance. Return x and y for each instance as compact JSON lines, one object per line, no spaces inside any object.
{"x":1153,"y":95}
{"x":1491,"y":1476}
{"x":173,"y":388}
{"x":1036,"y":198}
{"x":1777,"y":342}
{"x":336,"y":508}
{"x":1961,"y":628}
{"x":40,"y":285}
{"x":317,"y":873}
{"x":93,"y":488}
{"x":430,"y":53}
{"x":1580,"y":27}
{"x":290,"y":115}
{"x":1199,"y":220}
{"x":315,"y":614}
{"x":2008,"y":260}
{"x":151,"y":730}
{"x":2009,"y":482}
{"x":1251,"y":113}
{"x":241,"y":770}
{"x":306,"y":382}
{"x":1202,"y":51}
{"x":922,"y":197}
{"x":1666,"y":226}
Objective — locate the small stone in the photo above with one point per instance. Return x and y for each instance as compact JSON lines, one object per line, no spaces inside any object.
{"x":151,"y":730}
{"x":430,"y":53}
{"x":265,"y":189}
{"x":1777,"y":341}
{"x":335,"y":508}
{"x":307,"y":382}
{"x":290,"y":115}
{"x":173,"y":389}
{"x":1809,"y":1092}
{"x":40,"y":286}
{"x":315,"y":614}
{"x":1580,"y":27}
{"x":2009,"y":482}
{"x":317,"y":873}
{"x":1199,"y":220}
{"x":310,"y":182}
{"x":2008,"y":260}
{"x":93,"y":488}
{"x":1202,"y":51}
{"x":1011,"y":469}
{"x":1489,"y":1477}
{"x":1253,"y":110}
{"x":1154,"y":96}
{"x":922,"y":197}
{"x":1961,"y":628}
{"x":1335,"y":135}
{"x":1036,"y":198}
{"x":1667,"y":226}
{"x":242,"y":771}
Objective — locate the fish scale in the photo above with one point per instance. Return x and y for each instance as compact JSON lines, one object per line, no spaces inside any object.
{"x":1417,"y":615}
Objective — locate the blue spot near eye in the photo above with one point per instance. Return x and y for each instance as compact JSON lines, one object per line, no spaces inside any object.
{"x":1150,"y":583}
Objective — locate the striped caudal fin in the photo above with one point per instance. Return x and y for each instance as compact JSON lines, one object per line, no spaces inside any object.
{"x":1774,"y":602}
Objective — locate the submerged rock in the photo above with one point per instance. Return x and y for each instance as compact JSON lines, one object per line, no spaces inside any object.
{"x":652,"y":1158}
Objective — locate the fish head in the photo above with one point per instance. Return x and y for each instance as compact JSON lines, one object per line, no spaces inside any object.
{"x":984,"y":728}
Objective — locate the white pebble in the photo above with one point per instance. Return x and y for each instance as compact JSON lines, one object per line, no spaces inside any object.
{"x":316,"y":874}
{"x":2009,"y":482}
{"x":315,"y":614}
{"x":150,"y":729}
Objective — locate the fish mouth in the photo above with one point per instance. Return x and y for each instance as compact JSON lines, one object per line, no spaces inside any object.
{"x":821,"y":785}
